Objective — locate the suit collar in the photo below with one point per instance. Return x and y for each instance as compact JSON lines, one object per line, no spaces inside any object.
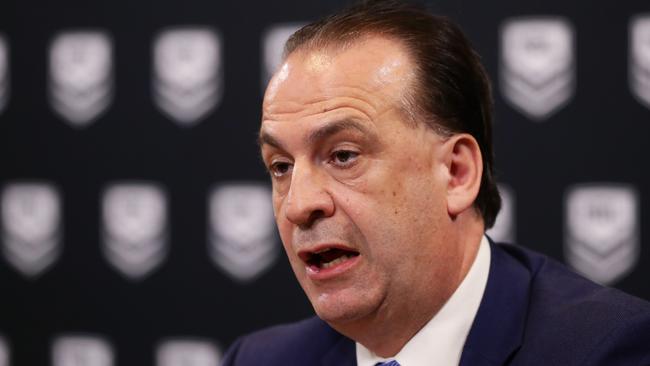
{"x":499,"y":325}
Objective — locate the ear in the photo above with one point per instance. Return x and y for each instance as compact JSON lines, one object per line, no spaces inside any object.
{"x":465,"y":168}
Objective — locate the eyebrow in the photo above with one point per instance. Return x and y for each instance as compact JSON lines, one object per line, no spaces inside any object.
{"x":265,"y":139}
{"x":322,"y":133}
{"x":338,"y":126}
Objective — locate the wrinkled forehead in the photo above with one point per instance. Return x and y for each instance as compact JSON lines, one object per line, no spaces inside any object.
{"x":371,"y":66}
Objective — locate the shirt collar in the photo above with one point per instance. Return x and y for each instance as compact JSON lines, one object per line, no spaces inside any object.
{"x":440,"y":341}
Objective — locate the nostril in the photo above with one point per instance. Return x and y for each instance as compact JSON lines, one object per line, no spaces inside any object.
{"x":315,"y":215}
{"x":311,"y":219}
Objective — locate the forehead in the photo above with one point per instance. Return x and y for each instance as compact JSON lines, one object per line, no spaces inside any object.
{"x":371,"y":74}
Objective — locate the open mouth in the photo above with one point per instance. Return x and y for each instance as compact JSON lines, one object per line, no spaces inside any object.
{"x":327,"y":257}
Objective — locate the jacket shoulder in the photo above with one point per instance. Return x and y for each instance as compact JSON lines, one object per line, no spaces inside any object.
{"x":304,"y":342}
{"x":574,"y":321}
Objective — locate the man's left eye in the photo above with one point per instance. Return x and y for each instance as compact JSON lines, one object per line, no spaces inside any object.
{"x":344,"y":157}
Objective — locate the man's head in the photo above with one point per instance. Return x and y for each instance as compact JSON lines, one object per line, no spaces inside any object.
{"x":376,"y":177}
{"x":451,"y":91}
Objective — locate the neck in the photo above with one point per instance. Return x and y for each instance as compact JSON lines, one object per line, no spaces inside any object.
{"x":398,"y":319}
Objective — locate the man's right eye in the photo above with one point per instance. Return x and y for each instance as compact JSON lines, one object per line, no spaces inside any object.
{"x":280,"y":168}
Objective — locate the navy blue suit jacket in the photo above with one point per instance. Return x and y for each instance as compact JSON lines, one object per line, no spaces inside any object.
{"x":534,"y":312}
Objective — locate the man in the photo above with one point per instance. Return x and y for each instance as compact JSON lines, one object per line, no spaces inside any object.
{"x":376,"y":131}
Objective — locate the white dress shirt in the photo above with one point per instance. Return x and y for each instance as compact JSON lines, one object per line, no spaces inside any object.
{"x":440,"y":342}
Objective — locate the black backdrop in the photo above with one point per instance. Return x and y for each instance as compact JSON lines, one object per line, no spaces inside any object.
{"x":599,"y":136}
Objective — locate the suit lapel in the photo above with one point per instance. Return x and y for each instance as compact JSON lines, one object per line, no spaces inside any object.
{"x":498,"y":328}
{"x":343,"y":353}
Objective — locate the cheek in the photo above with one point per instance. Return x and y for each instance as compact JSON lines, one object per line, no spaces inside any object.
{"x":285,"y":234}
{"x":405,"y":217}
{"x":376,"y":213}
{"x":277,"y":201}
{"x":285,"y":229}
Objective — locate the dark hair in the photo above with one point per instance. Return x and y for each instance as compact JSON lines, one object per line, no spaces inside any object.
{"x":452,"y":92}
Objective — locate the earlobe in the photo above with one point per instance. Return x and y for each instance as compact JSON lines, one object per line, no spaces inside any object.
{"x":465,"y":165}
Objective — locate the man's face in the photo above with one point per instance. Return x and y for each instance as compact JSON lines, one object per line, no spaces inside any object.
{"x":359,"y":192}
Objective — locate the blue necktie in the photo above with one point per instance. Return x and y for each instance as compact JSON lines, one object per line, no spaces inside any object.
{"x":388,"y":363}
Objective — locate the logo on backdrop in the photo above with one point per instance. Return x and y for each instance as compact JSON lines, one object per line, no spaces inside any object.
{"x":81,"y":75}
{"x":537,"y":69}
{"x":188,"y":76}
{"x":134,"y":230}
{"x":4,"y":73}
{"x":242,"y":239}
{"x":602,"y":230}
{"x":187,"y":352}
{"x":82,"y":351}
{"x":31,"y":226}
{"x":4,"y":352}
{"x":273,"y":46}
{"x":639,"y":68}
{"x":504,"y":229}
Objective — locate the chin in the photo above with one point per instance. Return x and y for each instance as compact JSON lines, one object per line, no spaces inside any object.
{"x":340,"y":311}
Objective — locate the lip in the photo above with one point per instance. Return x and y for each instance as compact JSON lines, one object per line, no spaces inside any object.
{"x":323,"y":274}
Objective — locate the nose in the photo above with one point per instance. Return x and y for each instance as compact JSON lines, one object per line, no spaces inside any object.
{"x":308,"y":199}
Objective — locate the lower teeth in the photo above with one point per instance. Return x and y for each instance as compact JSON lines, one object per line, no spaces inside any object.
{"x":335,"y":261}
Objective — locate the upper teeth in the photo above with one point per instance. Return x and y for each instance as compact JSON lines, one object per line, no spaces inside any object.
{"x":322,"y":250}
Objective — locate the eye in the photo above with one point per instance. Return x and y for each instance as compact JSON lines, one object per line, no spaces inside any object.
{"x":344,"y":158}
{"x":280,"y":168}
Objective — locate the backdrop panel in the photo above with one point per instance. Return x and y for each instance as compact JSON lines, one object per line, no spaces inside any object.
{"x":135,"y":213}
